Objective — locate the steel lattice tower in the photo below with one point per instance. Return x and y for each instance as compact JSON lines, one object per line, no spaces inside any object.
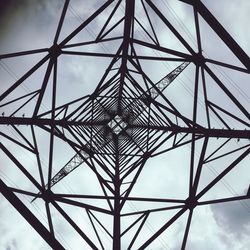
{"x":115,"y":132}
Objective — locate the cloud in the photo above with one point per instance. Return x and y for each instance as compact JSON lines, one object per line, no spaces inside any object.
{"x":225,"y":15}
{"x":12,"y":245}
{"x":33,"y":20}
{"x":26,"y":21}
{"x":16,"y":233}
{"x":233,"y":217}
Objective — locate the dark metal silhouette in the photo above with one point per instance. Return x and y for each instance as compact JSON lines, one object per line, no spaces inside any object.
{"x":123,"y":123}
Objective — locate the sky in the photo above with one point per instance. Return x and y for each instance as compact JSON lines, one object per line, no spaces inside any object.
{"x":28,"y":24}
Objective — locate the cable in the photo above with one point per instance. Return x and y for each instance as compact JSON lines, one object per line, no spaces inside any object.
{"x":225,"y":183}
{"x":151,"y":229}
{"x":15,"y":77}
{"x":220,"y":70}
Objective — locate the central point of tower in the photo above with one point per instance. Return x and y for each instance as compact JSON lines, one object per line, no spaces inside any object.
{"x":117,"y":124}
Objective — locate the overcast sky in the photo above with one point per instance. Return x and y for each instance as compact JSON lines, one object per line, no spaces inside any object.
{"x":31,"y":24}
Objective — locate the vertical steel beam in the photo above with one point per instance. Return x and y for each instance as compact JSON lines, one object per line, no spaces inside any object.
{"x":128,"y":23}
{"x":117,"y":205}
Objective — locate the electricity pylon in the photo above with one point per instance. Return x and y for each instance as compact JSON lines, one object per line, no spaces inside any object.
{"x":131,"y":117}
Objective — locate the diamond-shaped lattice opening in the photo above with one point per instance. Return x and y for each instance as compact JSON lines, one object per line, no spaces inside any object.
{"x":117,"y":124}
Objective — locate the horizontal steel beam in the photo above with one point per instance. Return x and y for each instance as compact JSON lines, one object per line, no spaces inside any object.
{"x":225,"y":133}
{"x":218,"y":133}
{"x":47,"y":122}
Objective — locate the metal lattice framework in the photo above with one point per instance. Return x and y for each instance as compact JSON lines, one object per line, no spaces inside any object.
{"x":131,"y":118}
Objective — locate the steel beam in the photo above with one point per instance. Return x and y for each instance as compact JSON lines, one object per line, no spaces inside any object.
{"x":29,"y":216}
{"x":220,"y":31}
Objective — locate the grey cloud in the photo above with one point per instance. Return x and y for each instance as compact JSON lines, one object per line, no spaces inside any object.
{"x":27,"y":21}
{"x":234,"y":218}
{"x":210,"y":244}
{"x":27,"y":8}
{"x":12,"y":245}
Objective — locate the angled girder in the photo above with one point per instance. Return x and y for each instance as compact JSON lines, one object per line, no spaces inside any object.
{"x":29,"y":216}
{"x":220,"y":31}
